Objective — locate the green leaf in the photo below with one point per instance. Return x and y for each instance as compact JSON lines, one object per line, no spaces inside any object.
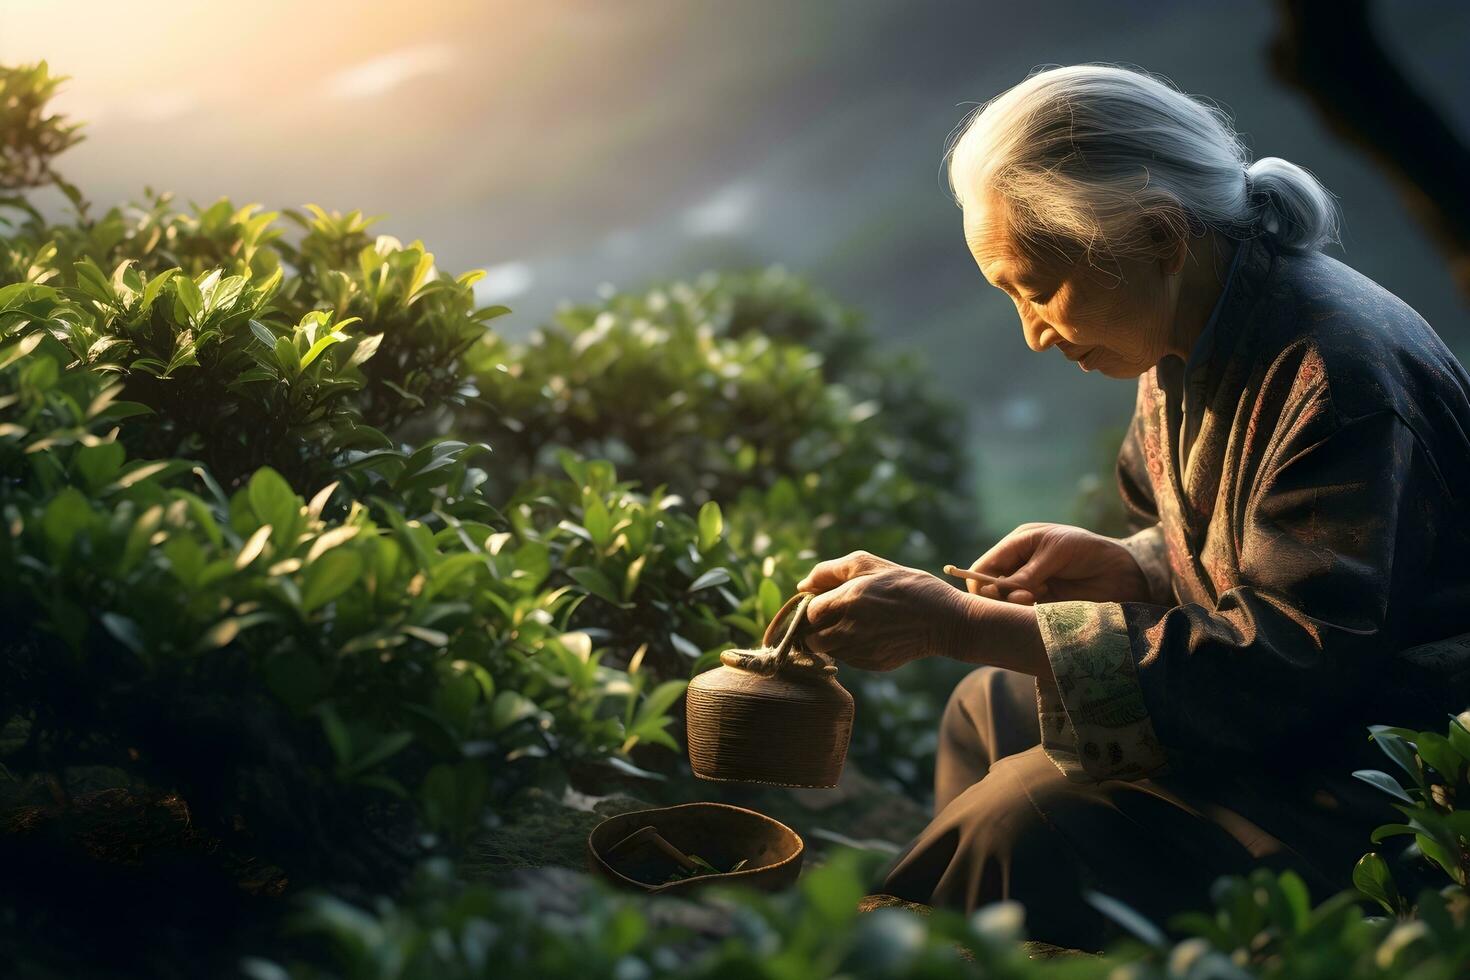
{"x":188,"y":293}
{"x":1385,"y":782}
{"x":1128,"y":918}
{"x":220,"y":634}
{"x":711,"y":525}
{"x":15,"y":352}
{"x":385,"y":747}
{"x":1437,"y":751}
{"x":316,"y":349}
{"x":652,"y":716}
{"x":125,"y":630}
{"x":510,"y":707}
{"x":661,"y":698}
{"x":263,"y":334}
{"x":768,"y":601}
{"x":595,"y":582}
{"x":713,"y":577}
{"x":403,"y":393}
{"x":156,"y":284}
{"x":631,"y":576}
{"x":575,"y":468}
{"x":1397,"y":748}
{"x":92,"y":281}
{"x":140,"y":471}
{"x":287,"y":357}
{"x":532,"y":566}
{"x":685,"y":647}
{"x":1443,"y":854}
{"x":597,"y":521}
{"x":253,"y":546}
{"x":434,"y":638}
{"x":337,"y":735}
{"x":455,"y":698}
{"x":365,"y":348}
{"x":1372,"y":877}
{"x":1460,"y":736}
{"x":1390,"y":830}
{"x":328,"y":577}
{"x":1298,"y":900}
{"x":68,"y":513}
{"x":453,"y":796}
{"x":272,"y":499}
{"x":99,"y":464}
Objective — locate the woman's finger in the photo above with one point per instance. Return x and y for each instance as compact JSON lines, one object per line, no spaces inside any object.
{"x":829,"y":607}
{"x":1044,"y":562}
{"x":988,"y":589}
{"x":1010,"y":552}
{"x":820,"y":641}
{"x":833,"y":572}
{"x":829,"y":639}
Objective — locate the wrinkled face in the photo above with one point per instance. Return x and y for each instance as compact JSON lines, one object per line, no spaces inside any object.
{"x":1118,"y":321}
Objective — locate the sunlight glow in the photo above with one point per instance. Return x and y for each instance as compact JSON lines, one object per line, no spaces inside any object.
{"x":387,"y":72}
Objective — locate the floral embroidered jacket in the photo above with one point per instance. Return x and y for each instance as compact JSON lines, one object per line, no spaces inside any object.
{"x":1307,"y":559}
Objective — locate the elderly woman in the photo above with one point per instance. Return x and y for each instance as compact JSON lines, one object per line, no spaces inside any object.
{"x":1157,"y":710}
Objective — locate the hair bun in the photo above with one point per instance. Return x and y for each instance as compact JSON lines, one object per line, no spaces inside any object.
{"x":1290,"y":204}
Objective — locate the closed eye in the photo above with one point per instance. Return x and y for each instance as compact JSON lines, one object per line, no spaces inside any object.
{"x":1041,"y":299}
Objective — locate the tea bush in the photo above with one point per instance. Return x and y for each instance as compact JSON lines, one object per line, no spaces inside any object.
{"x":742,"y":388}
{"x":226,"y":576}
{"x":1437,"y":768}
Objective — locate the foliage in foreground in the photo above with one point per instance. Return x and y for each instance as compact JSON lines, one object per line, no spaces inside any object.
{"x":1262,"y":926}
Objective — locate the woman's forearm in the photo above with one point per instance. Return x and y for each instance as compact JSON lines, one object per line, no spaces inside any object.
{"x":1001,"y":634}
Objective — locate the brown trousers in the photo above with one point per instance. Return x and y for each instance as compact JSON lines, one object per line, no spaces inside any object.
{"x":1009,"y":825}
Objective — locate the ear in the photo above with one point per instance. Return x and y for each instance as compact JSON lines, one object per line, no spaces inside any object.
{"x":1169,"y":245}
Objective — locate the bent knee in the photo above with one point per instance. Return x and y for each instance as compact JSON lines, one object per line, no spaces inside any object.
{"x":990,"y":692}
{"x":1010,"y":809}
{"x":975,"y":690}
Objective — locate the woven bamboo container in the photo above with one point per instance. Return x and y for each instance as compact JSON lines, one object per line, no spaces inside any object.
{"x":776,"y":715}
{"x":718,"y":832}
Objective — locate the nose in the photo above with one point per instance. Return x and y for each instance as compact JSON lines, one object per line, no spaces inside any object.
{"x":1040,"y":336}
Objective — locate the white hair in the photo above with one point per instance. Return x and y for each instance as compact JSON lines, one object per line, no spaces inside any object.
{"x":1098,"y":156}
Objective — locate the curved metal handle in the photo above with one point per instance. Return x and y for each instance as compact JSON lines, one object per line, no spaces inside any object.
{"x":798,"y":619}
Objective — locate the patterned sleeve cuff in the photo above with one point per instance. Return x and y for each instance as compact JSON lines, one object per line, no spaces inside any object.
{"x":1148,"y":549}
{"x":1094,"y":723}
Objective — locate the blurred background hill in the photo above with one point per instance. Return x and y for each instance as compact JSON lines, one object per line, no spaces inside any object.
{"x":565,"y":144}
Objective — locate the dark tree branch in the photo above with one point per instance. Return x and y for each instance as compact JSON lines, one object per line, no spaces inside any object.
{"x":1328,"y":50}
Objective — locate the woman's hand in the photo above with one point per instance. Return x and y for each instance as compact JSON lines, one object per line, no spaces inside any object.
{"x":1055,"y":562}
{"x":878,"y":615}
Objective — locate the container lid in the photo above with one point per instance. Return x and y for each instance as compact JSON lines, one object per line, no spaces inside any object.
{"x":787,"y":658}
